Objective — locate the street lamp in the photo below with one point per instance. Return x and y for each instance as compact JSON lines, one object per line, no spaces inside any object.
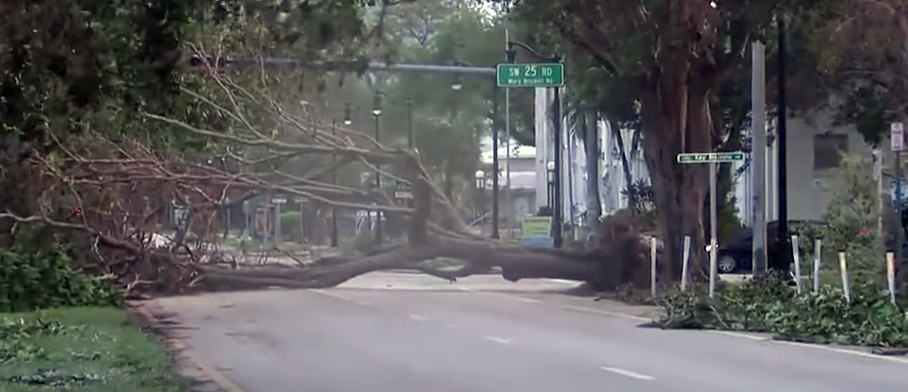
{"x":376,"y":112}
{"x":348,"y":114}
{"x":376,"y":104}
{"x":456,"y":84}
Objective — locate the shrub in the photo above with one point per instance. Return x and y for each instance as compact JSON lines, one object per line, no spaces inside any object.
{"x":34,"y":279}
{"x":773,"y":306}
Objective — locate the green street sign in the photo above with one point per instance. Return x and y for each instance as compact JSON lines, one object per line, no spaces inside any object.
{"x":530,"y":75}
{"x":711,"y":157}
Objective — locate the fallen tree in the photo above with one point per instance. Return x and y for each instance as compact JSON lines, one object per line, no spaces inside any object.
{"x":109,"y":200}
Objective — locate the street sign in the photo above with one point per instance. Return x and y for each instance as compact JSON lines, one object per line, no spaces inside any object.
{"x":279,"y":201}
{"x":301,"y":200}
{"x":537,"y":232}
{"x":712,"y":157}
{"x":402,"y":191}
{"x":530,"y":75}
{"x":897,"y":137}
{"x":537,"y":226}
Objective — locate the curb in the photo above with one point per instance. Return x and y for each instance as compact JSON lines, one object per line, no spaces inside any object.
{"x":176,"y":346}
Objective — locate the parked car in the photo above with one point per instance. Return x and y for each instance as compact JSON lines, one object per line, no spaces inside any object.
{"x":736,"y":253}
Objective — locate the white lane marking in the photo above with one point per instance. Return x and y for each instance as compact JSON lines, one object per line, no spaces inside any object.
{"x":740,"y":335}
{"x":417,"y":317}
{"x":516,"y":297}
{"x":450,"y":326}
{"x":844,"y":351}
{"x":563,"y":281}
{"x":497,"y":340}
{"x":628,"y":373}
{"x":606,"y":313}
{"x":530,"y":300}
{"x":339,"y":296}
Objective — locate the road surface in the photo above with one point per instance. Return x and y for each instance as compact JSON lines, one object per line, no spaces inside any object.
{"x":485,"y":335}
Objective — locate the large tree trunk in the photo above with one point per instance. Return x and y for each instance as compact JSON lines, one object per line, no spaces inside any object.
{"x":676,"y":121}
{"x":614,"y":262}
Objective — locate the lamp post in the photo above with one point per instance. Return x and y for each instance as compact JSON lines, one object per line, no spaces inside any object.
{"x":550,"y":177}
{"x":376,"y":112}
{"x":348,"y":119}
{"x":480,"y":191}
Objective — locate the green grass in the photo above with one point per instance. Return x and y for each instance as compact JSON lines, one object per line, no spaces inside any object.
{"x":81,"y":349}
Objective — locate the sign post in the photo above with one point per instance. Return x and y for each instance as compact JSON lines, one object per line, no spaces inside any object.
{"x":897,"y":141}
{"x":402,"y":191}
{"x":712,"y":158}
{"x":536,"y":75}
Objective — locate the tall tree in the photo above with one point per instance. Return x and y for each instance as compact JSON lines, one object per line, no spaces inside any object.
{"x":665,"y":62}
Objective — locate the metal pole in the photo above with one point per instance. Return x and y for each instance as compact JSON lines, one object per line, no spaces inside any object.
{"x":713,"y":229}
{"x":784,"y":259}
{"x":303,"y":228}
{"x":277,"y":224}
{"x":495,"y":172}
{"x":878,"y":175}
{"x":334,"y":181}
{"x":378,"y":214}
{"x":758,"y":158}
{"x":899,"y":207}
{"x":509,"y":57}
{"x":557,"y":212}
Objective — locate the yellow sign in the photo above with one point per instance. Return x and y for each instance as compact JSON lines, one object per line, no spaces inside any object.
{"x":537,"y":226}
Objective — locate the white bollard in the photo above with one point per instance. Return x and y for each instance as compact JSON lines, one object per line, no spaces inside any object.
{"x":713,"y":268}
{"x":685,"y":260}
{"x":817,"y":261}
{"x":652,"y":256}
{"x":796,"y":253}
{"x":843,"y":271}
{"x":890,"y":275}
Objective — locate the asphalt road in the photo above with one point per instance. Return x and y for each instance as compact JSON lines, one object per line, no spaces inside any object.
{"x":486,"y":335}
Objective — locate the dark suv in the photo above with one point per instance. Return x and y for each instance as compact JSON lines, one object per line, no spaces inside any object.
{"x":735,"y":254}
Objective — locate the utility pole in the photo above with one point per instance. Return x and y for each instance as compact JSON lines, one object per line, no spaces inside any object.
{"x":784,"y":257}
{"x":758,"y":157}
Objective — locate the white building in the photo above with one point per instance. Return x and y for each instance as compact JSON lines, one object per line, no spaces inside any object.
{"x":814,"y":148}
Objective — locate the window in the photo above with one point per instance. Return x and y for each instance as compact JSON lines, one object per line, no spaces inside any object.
{"x":828,"y":150}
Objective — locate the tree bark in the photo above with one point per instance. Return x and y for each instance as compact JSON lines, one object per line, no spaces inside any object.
{"x":679,"y":190}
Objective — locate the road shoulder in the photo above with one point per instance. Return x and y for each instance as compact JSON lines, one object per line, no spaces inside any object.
{"x":201,"y":376}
